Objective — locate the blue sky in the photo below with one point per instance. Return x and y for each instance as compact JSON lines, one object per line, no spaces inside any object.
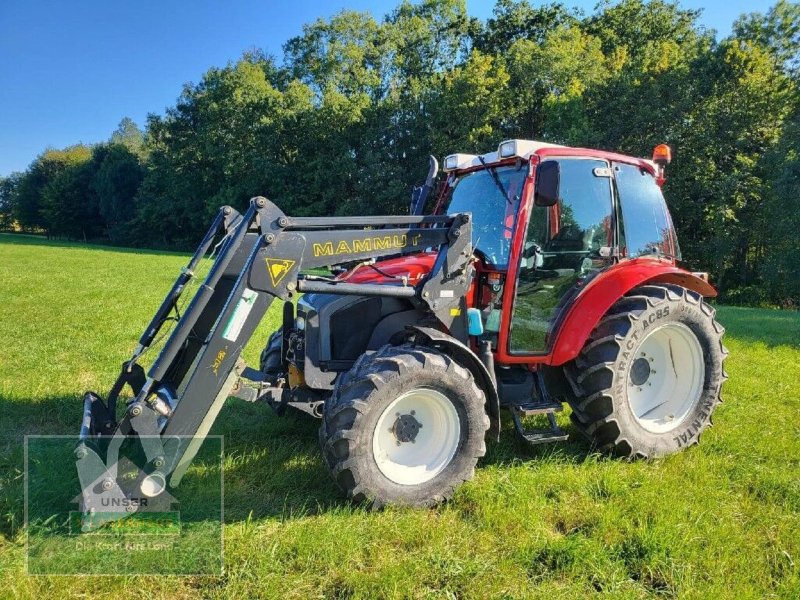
{"x":69,"y":71}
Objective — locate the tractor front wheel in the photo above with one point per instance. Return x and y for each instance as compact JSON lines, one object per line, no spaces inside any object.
{"x":649,"y":378}
{"x":405,"y":425}
{"x":270,"y":362}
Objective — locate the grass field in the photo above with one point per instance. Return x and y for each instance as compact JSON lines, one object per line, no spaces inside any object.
{"x":721,"y":520}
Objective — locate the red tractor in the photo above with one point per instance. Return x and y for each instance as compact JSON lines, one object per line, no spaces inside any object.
{"x":546,"y":274}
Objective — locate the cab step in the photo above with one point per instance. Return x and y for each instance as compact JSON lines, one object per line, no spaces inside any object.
{"x":530,"y":409}
{"x":539,"y":436}
{"x":524,"y":394}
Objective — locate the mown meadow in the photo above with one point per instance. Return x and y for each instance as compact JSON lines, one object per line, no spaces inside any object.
{"x":721,"y":520}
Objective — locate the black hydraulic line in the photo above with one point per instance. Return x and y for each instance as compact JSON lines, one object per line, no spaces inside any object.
{"x":286,"y":331}
{"x":180,"y":283}
{"x":356,"y":289}
{"x":382,"y":272}
{"x":201,"y":298}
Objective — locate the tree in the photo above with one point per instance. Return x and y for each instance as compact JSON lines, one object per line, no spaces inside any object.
{"x":69,"y":205}
{"x":551,"y":83}
{"x":720,"y":179}
{"x":27,"y":208}
{"x":230,"y":137}
{"x":778,"y":31}
{"x":118,"y":175}
{"x":516,"y":20}
{"x":128,"y":135}
{"x":778,"y":265}
{"x":468,"y":106}
{"x":8,"y":198}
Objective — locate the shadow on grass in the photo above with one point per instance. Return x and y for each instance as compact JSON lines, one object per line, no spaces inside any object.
{"x":272,"y":465}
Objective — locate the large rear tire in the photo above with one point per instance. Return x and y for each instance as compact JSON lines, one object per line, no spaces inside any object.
{"x":650,"y":375}
{"x":405,"y":425}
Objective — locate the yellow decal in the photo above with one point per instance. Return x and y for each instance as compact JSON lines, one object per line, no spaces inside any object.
{"x":455,"y":312}
{"x":278,"y":269}
{"x":325,"y":249}
{"x":218,"y":360}
{"x":386,"y":242}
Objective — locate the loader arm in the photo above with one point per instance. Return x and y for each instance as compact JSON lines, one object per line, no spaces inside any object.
{"x":261,"y":257}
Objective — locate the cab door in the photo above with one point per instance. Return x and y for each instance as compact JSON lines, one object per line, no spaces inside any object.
{"x":564,"y":244}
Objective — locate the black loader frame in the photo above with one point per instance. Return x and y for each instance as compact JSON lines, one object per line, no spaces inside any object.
{"x":261,"y":256}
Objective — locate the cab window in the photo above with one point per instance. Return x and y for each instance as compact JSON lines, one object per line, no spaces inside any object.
{"x":647,"y":224}
{"x":563,"y":243}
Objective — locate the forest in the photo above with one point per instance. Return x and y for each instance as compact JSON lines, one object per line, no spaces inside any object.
{"x":344,"y":121}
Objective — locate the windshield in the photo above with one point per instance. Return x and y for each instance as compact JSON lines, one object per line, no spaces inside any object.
{"x":492,"y":196}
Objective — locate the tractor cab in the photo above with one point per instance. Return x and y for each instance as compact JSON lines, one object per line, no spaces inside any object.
{"x":546,"y":220}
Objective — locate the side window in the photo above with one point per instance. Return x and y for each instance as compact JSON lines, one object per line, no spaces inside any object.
{"x":581,"y":222}
{"x":647,"y":224}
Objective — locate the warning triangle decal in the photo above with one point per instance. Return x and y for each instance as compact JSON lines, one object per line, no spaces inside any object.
{"x":278,"y":269}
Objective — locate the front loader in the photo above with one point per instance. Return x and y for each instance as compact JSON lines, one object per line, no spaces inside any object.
{"x":545,"y":275}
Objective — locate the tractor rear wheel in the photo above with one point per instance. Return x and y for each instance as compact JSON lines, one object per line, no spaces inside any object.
{"x":650,"y":375}
{"x":405,"y":425}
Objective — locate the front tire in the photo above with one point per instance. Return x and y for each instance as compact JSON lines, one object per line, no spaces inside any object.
{"x":650,"y":376}
{"x":270,"y":362}
{"x":405,"y":425}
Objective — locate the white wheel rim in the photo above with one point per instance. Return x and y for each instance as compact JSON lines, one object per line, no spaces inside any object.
{"x":410,"y":455}
{"x":665,"y":377}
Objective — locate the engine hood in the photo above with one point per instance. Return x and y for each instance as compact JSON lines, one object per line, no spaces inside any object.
{"x":414,"y":267}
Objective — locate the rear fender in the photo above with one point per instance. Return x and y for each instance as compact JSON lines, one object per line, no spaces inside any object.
{"x":604,"y":290}
{"x":467,"y":359}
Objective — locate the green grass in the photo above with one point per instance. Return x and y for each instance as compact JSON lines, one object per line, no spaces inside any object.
{"x":721,"y":520}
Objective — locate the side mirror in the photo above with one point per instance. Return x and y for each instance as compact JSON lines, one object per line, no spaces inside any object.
{"x":548,"y":180}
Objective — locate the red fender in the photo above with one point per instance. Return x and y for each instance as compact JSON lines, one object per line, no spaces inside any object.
{"x":605,"y":289}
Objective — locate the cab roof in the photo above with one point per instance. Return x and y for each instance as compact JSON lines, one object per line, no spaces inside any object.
{"x":525,"y":149}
